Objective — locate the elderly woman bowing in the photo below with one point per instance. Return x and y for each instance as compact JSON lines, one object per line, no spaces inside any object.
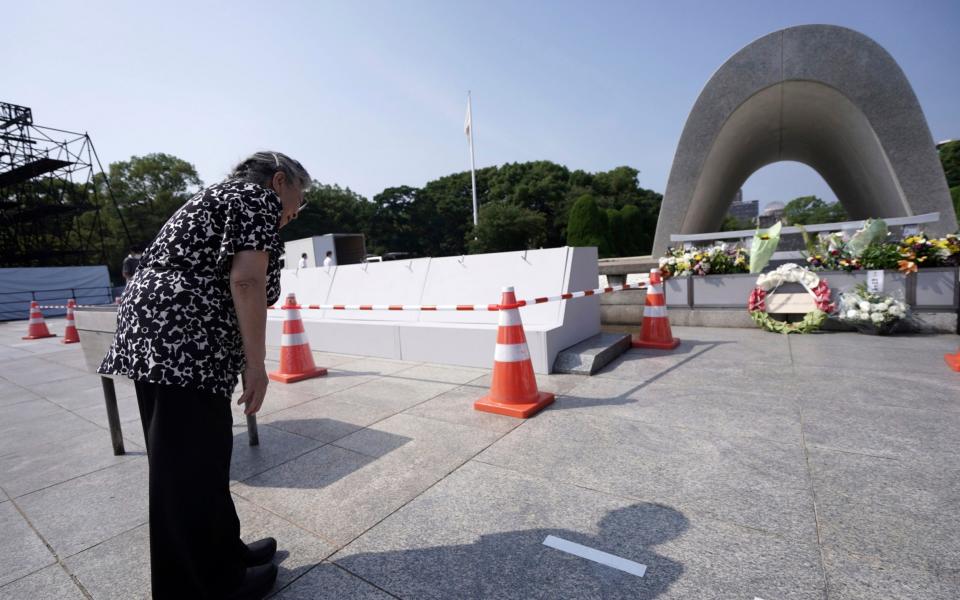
{"x":191,"y":319}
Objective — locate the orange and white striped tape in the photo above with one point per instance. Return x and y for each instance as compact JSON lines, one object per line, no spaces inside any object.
{"x":469,"y":307}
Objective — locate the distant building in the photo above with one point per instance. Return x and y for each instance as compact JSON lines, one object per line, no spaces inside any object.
{"x":772,"y":213}
{"x":744,"y":211}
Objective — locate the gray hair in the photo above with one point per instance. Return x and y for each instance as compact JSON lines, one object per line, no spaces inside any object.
{"x":262,"y":166}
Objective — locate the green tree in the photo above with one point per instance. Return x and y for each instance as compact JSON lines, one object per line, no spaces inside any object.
{"x":809,"y":210}
{"x":330,"y":209}
{"x":392,"y":225}
{"x":587,"y":225}
{"x":950,"y":159}
{"x":148,"y":189}
{"x":731,"y":223}
{"x":503,"y":227}
{"x":638,"y":230}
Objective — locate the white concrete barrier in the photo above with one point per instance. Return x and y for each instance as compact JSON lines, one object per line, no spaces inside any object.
{"x":458,"y":338}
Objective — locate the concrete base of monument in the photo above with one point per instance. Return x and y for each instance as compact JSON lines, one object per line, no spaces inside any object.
{"x":924,"y":321}
{"x":592,"y":354}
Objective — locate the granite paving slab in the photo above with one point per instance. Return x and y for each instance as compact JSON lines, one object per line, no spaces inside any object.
{"x":440,"y":373}
{"x":456,"y":406}
{"x":501,"y":519}
{"x":639,"y":367}
{"x":432,"y":444}
{"x":913,"y":488}
{"x":21,"y":551}
{"x":62,"y":389}
{"x":393,"y":393}
{"x":33,"y":370}
{"x":89,"y":395}
{"x":322,"y":359}
{"x":723,"y":411}
{"x":874,"y":387}
{"x":117,"y":569}
{"x":861,"y":355}
{"x":331,"y":582}
{"x":19,"y":432}
{"x":887,"y":534}
{"x":127,"y":408}
{"x":919,"y":435}
{"x":298,"y":550}
{"x":690,"y":460}
{"x":852,"y":577}
{"x":17,"y":396}
{"x":338,"y":491}
{"x":746,"y":480}
{"x":10,"y":353}
{"x":374,"y":366}
{"x":335,"y":493}
{"x":42,"y":464}
{"x":50,"y":582}
{"x":276,"y":447}
{"x":85,"y":511}
{"x":325,"y":419}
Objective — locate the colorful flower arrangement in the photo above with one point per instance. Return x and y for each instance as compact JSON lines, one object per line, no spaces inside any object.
{"x":920,"y":251}
{"x":869,"y":249}
{"x":720,"y":259}
{"x":870,"y":312}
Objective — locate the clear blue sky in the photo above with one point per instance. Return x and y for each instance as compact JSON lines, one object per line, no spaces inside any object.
{"x":372,"y":94}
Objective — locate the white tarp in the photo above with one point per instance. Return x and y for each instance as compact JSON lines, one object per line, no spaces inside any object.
{"x":51,"y":285}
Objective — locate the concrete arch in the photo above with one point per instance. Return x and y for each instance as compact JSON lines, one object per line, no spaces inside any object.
{"x":825,"y":96}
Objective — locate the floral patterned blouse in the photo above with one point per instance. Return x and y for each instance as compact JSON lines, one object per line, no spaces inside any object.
{"x":176,"y":323}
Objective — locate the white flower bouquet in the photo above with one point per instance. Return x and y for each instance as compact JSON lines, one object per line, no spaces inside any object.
{"x":870,"y":312}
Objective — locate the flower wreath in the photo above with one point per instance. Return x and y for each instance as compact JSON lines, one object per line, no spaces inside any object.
{"x":767,"y":283}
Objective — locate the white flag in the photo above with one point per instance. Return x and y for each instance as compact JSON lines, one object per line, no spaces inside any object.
{"x":467,"y":121}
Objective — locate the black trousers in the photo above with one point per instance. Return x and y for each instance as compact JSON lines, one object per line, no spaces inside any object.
{"x":195,"y":546}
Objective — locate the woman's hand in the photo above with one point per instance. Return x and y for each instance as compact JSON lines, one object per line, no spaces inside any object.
{"x":255,"y":382}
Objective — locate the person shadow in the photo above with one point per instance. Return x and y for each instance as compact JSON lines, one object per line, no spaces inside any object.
{"x":517,"y":564}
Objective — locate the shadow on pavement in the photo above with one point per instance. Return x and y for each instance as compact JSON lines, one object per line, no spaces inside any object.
{"x":567,"y":401}
{"x":517,"y":564}
{"x":266,"y":465}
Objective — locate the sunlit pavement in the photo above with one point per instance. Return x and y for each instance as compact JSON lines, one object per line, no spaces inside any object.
{"x":744,"y":464}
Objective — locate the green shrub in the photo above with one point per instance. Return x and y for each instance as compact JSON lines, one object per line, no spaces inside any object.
{"x":588,"y":225}
{"x":880,"y":255}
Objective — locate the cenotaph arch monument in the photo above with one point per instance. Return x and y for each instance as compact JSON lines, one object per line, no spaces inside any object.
{"x":821,"y":95}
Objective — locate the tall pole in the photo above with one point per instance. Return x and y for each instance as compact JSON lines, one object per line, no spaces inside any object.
{"x":473,"y":168}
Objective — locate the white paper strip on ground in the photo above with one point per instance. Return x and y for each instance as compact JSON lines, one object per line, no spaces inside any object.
{"x":622,"y":564}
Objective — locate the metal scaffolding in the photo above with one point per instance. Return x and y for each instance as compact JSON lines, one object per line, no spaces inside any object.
{"x":52,"y":192}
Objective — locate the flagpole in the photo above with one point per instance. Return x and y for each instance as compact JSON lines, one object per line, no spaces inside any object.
{"x":473,"y":169}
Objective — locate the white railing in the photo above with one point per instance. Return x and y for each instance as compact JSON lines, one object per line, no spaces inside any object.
{"x":747,"y":234}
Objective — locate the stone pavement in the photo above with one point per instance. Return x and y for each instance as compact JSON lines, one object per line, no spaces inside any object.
{"x":743,"y":465}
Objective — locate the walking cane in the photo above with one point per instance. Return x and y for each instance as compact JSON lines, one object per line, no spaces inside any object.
{"x":252,"y":433}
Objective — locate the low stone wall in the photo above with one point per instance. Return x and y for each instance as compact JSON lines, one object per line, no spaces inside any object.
{"x":721,"y":300}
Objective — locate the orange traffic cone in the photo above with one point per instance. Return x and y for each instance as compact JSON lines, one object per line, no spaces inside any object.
{"x":70,"y":336}
{"x":296,"y":361}
{"x":513,"y":391}
{"x":953,"y":360}
{"x":655,"y":330}
{"x":37,"y":327}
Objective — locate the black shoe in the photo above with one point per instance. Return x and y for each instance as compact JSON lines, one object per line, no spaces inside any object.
{"x":257,"y":583}
{"x":260,"y":552}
